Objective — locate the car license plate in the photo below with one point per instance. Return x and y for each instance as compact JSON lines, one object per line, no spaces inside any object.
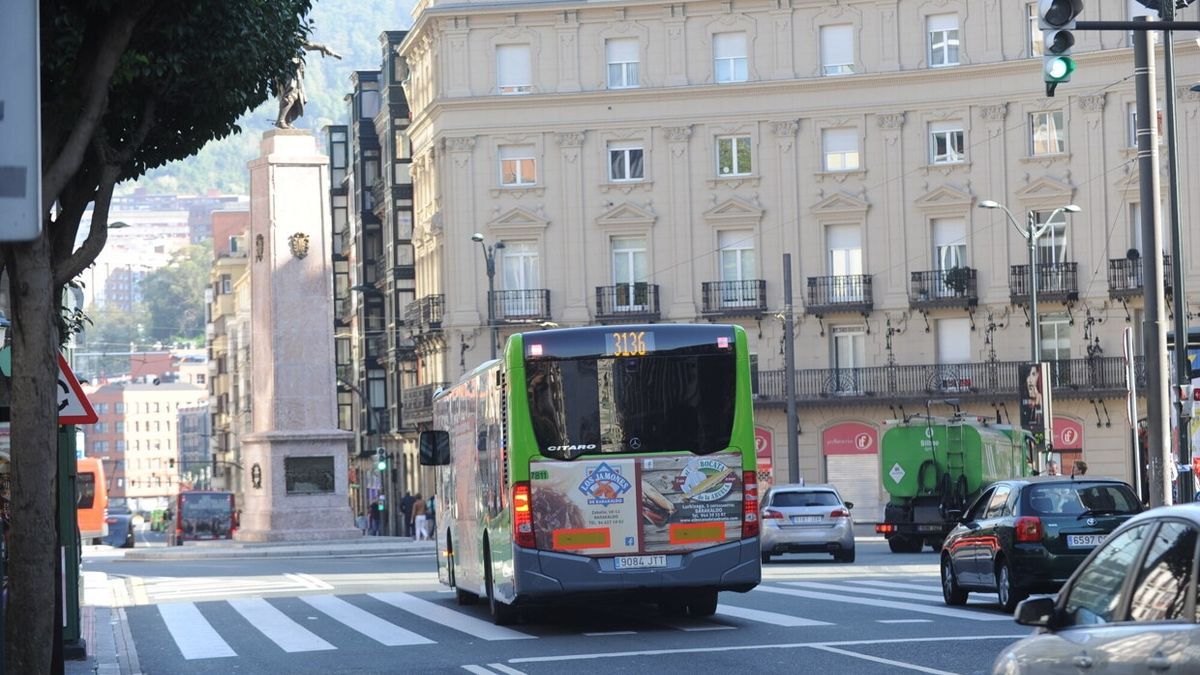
{"x":806,"y":519}
{"x":1085,"y":540}
{"x":634,"y":562}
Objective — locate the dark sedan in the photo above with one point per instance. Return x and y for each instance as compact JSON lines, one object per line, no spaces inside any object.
{"x":120,"y":527}
{"x":1028,"y":535}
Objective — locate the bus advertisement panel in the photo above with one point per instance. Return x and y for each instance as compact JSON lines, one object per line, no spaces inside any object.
{"x":597,"y":460}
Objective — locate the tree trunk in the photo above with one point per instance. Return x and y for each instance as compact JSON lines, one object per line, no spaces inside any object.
{"x":28,"y":625}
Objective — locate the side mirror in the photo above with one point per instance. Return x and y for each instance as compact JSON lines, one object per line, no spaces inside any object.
{"x":435,"y":448}
{"x":849,"y":505}
{"x":1035,"y":612}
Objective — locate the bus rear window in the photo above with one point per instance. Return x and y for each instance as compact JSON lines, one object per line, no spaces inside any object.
{"x":632,"y":405}
{"x":85,"y":482}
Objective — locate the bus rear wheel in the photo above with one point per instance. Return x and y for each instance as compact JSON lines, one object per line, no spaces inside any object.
{"x":703,"y":603}
{"x":502,"y":614}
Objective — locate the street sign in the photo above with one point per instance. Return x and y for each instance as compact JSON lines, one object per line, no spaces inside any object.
{"x":73,"y":406}
{"x":20,"y":123}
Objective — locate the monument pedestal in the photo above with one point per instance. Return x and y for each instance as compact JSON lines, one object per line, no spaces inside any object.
{"x":296,"y":478}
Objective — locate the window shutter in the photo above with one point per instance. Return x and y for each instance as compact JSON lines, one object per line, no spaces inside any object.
{"x":837,"y":45}
{"x":729,"y":45}
{"x":844,"y":237}
{"x":943,"y":22}
{"x":513,"y":65}
{"x":622,"y":50}
{"x":949,"y":232}
{"x":840,"y":140}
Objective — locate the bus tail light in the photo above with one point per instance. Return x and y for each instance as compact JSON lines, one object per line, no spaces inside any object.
{"x":523,"y":516}
{"x":749,"y":504}
{"x":1029,"y":529}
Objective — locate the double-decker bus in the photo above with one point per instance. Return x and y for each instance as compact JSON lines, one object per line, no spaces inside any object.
{"x":605,"y":460}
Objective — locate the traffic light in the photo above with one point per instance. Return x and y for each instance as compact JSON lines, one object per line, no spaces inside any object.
{"x":381,"y":459}
{"x":1056,"y":18}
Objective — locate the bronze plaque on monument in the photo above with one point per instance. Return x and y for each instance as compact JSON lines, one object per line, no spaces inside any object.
{"x":308,"y":475}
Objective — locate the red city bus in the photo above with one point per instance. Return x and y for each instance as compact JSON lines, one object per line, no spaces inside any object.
{"x":204,"y":516}
{"x":91,"y":499}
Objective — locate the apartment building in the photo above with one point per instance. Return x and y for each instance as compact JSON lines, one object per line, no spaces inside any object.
{"x":152,"y":437}
{"x":652,"y":161}
{"x":227,"y":338}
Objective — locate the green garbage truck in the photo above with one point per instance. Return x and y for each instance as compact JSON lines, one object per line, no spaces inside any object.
{"x":934,"y":467}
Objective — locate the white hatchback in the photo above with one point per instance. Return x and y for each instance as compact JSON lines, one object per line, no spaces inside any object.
{"x":806,"y":519}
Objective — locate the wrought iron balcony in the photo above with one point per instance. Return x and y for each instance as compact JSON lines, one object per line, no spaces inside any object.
{"x":843,"y":293}
{"x":954,"y":287}
{"x":627,"y":302}
{"x":1126,"y":279}
{"x":1056,"y":282}
{"x":425,"y":314}
{"x":418,"y":403}
{"x":989,"y":380}
{"x":521,"y":306}
{"x":744,"y":297}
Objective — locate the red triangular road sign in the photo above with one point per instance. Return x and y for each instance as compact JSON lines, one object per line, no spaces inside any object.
{"x":73,"y":406}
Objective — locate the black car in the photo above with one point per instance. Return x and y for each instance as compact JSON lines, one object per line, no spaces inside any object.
{"x":1028,"y":535}
{"x":120,"y":527}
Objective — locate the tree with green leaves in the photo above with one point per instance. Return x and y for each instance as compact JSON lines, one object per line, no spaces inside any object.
{"x":127,"y":85}
{"x":174,"y":295}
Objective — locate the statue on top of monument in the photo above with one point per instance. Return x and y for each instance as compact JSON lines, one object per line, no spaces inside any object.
{"x":291,"y":92}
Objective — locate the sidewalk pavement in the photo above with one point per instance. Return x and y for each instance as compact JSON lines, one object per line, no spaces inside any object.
{"x":193,"y":550}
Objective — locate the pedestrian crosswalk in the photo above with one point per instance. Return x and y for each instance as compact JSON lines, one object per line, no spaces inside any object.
{"x":319,"y":622}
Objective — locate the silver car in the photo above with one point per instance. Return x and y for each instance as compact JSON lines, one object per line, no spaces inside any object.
{"x":1129,"y":608}
{"x":806,"y":519}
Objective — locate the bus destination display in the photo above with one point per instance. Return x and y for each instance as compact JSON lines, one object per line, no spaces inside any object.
{"x":629,"y":343}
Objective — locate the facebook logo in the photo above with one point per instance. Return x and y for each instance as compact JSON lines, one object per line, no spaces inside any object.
{"x":629,"y":541}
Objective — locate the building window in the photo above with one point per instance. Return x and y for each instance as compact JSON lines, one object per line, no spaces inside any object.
{"x":514,"y":70}
{"x":1055,"y":336}
{"x":517,"y":165}
{"x":622,"y":57}
{"x":946,"y":143}
{"x":226,"y":284}
{"x":630,"y":269}
{"x":729,"y":57}
{"x":1035,"y":33}
{"x":943,"y":40}
{"x":520,"y":271}
{"x":848,"y":345}
{"x":733,"y":156}
{"x":953,"y":346}
{"x":949,"y":243}
{"x":837,"y":50}
{"x":840,"y":149}
{"x":625,"y":161}
{"x":119,"y":427}
{"x":737,"y":260}
{"x":1052,"y":246}
{"x":1136,"y":9}
{"x":1131,"y":115}
{"x":1047,"y":133}
{"x":101,"y":408}
{"x":120,"y":446}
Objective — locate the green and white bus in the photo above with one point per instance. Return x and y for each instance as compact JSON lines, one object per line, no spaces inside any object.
{"x":599,"y":461}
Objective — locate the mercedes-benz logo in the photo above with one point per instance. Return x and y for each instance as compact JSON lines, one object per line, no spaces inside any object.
{"x":635,"y":443}
{"x":1091,"y":521}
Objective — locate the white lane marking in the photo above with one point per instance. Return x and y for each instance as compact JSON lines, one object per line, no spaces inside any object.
{"x":877,"y":659}
{"x":289,"y":635}
{"x":310,"y":581}
{"x":611,"y":632}
{"x":193,"y":634}
{"x":364,"y":622}
{"x":478,"y":670}
{"x":449,"y":618}
{"x":693,"y":625}
{"x":903,"y":620}
{"x":930,"y":588}
{"x":773,"y":618}
{"x":879,"y":602}
{"x":739,"y":648}
{"x":818,"y":586}
{"x":501,"y":668}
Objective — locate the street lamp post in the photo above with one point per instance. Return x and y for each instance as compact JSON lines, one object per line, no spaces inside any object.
{"x":489,"y":258}
{"x":1031,"y":233}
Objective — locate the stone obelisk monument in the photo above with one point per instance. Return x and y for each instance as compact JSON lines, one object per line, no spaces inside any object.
{"x":295,"y":461}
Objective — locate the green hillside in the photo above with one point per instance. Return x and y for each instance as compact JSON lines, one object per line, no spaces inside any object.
{"x":350,"y":28}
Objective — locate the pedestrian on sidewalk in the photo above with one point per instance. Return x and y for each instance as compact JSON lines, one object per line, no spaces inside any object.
{"x":373,"y":519}
{"x":406,"y":504}
{"x":361,"y":522}
{"x":418,"y":510}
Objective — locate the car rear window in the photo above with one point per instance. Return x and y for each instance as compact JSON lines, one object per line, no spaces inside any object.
{"x":805,"y":499}
{"x":1075,"y":498}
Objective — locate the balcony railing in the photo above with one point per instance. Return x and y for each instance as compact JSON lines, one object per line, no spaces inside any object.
{"x":954,"y":287}
{"x":627,"y":302}
{"x":1056,"y":282}
{"x":744,"y":297}
{"x":418,"y":403}
{"x":425,"y":314}
{"x":842,"y":293}
{"x":1070,"y":378}
{"x":521,"y":306}
{"x":1126,"y":279}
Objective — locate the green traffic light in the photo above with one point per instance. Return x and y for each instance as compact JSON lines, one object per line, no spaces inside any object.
{"x":1059,"y":69}
{"x":381,"y":465}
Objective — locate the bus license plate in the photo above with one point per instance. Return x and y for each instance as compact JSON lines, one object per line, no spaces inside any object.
{"x":634,"y":562}
{"x":1085,"y":540}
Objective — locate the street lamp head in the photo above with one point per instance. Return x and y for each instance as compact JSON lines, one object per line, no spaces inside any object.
{"x":1071,"y":208}
{"x":477,"y":237}
{"x":499,"y":244}
{"x":989,"y":204}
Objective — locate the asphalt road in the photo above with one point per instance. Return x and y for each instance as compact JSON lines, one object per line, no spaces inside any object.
{"x":366,"y":614}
